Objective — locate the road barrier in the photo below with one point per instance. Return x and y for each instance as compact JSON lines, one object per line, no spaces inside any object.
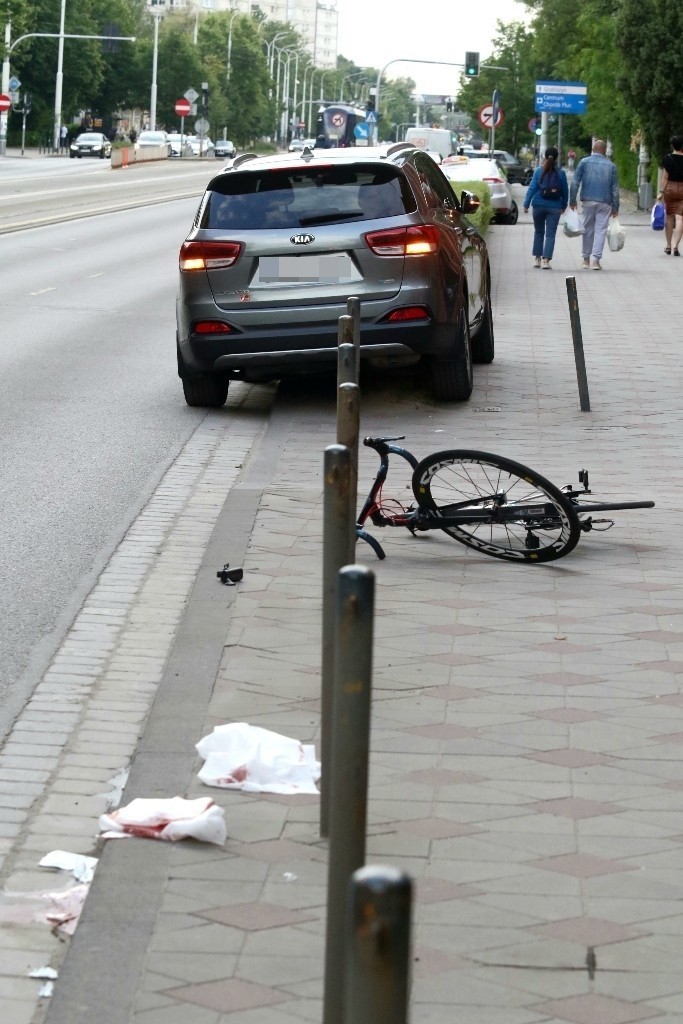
{"x":129,"y":155}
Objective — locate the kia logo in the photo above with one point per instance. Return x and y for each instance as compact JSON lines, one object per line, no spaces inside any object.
{"x":303,"y":239}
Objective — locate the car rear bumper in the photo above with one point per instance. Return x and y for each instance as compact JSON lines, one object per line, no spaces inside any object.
{"x":311,"y":351}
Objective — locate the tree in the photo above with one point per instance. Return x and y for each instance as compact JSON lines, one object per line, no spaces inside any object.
{"x":514,"y":51}
{"x":647,"y":34}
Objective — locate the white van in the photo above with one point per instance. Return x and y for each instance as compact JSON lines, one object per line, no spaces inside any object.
{"x":438,"y":140}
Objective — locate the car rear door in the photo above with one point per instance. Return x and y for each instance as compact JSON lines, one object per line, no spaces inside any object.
{"x":303,"y":243}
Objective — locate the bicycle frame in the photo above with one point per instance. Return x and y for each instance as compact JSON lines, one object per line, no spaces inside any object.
{"x":422,"y":519}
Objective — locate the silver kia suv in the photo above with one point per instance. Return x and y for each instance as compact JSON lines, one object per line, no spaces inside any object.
{"x":278,"y":245}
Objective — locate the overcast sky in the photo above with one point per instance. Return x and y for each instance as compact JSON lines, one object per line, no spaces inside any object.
{"x":374,"y":32}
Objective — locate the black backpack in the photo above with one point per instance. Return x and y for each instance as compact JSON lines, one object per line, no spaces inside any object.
{"x":550,"y":185}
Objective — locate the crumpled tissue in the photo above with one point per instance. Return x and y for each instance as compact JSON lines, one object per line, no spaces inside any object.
{"x":175,"y":818}
{"x":255,"y":760}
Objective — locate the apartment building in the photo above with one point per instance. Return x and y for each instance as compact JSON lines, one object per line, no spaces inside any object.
{"x":316,"y":22}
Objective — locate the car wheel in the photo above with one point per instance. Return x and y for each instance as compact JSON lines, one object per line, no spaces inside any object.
{"x":513,"y":215}
{"x":210,"y":391}
{"x":483,"y":348}
{"x":72,"y":155}
{"x":452,"y":376}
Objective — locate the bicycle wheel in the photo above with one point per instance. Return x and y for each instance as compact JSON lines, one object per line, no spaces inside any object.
{"x":515,"y":513}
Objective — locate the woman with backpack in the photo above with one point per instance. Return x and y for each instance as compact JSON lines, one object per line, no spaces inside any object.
{"x":547,"y":195}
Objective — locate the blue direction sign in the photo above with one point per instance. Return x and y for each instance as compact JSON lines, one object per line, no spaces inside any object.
{"x":561,"y":97}
{"x":362,"y":130}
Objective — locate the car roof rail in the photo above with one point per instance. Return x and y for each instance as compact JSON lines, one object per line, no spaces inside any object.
{"x":239,"y":160}
{"x":396,"y":147}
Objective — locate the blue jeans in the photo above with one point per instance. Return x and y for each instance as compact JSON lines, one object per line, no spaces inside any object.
{"x":546,"y":220}
{"x":596,"y":217}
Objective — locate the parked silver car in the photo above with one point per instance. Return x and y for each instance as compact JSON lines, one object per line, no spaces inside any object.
{"x":280,"y":242}
{"x":462,"y":168}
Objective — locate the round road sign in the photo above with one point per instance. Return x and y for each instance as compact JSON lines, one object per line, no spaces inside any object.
{"x":183,"y":107}
{"x":486,"y":115}
{"x":5,"y":102}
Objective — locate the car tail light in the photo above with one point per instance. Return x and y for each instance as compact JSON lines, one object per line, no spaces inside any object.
{"x":408,"y":313}
{"x":412,"y":241}
{"x":211,"y":327}
{"x":496,"y":181}
{"x":208,"y":255}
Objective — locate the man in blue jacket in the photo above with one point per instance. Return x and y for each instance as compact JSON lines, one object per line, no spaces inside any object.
{"x":596,"y":178}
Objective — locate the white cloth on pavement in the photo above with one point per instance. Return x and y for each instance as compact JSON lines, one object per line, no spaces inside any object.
{"x":256,"y":760}
{"x":175,"y":818}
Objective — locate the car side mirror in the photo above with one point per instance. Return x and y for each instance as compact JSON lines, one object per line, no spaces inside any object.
{"x":469,"y":203}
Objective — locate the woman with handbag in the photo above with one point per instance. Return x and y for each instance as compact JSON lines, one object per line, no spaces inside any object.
{"x":547,"y":195}
{"x":672,"y":195}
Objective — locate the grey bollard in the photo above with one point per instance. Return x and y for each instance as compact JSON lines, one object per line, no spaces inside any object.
{"x":348,"y":786}
{"x":336,"y":531}
{"x":346,"y":364}
{"x":577,"y":338}
{"x":353,"y":309}
{"x":377,"y":957}
{"x":348,"y":431}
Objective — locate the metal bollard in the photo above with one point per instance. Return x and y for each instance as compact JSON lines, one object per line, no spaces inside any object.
{"x":348,"y":430}
{"x":577,"y":338}
{"x":353,"y":308}
{"x":346,"y":364}
{"x":336,"y":531}
{"x":377,"y":955}
{"x":348,"y":786}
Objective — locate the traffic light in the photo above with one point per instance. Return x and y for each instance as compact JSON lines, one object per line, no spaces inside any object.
{"x":449,"y":105}
{"x":471,"y":64}
{"x":205,"y":98}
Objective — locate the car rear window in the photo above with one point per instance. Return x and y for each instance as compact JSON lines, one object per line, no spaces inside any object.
{"x":304,"y":197}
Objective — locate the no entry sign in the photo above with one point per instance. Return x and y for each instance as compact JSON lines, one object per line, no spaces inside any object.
{"x":5,"y":102}
{"x":182,"y":107}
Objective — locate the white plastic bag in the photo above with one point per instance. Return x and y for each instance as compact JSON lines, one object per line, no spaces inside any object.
{"x":616,"y":236}
{"x":573,"y":224}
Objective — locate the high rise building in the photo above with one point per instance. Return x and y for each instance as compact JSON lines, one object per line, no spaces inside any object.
{"x":316,"y":22}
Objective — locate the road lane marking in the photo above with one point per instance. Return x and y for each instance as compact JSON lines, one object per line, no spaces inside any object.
{"x":43,"y":290}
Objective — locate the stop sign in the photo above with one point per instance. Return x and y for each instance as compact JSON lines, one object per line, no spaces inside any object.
{"x":182,"y":107}
{"x":5,"y":102}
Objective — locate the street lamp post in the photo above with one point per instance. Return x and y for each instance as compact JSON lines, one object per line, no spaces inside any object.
{"x":232,"y":18}
{"x":60,"y":80}
{"x":156,"y":14}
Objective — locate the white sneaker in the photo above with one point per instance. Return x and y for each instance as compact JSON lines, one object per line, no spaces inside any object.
{"x":546,"y":265}
{"x":585,"y":263}
{"x":537,"y":261}
{"x":595,"y":265}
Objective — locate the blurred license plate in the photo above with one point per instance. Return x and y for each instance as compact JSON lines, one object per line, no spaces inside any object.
{"x":333,"y":269}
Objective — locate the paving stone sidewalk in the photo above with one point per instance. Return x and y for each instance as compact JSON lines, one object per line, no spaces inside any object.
{"x":527,"y":731}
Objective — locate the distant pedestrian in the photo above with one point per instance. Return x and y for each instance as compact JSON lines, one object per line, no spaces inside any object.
{"x":63,"y":137}
{"x":672,"y":195}
{"x":547,"y":196}
{"x":596,"y":182}
{"x":571,"y":159}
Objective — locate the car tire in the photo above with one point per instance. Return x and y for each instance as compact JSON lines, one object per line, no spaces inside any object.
{"x":209,"y":391}
{"x":483,"y":345}
{"x":72,"y":155}
{"x":452,"y":376}
{"x":513,"y":215}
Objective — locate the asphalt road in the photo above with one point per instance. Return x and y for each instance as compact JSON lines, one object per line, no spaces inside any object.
{"x":91,"y":409}
{"x":38,"y":190}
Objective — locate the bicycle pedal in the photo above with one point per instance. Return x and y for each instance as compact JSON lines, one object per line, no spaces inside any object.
{"x":229,"y":576}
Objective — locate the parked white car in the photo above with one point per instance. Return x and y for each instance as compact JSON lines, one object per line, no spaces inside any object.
{"x":149,"y":138}
{"x":460,"y":168}
{"x":176,"y":139}
{"x":200,"y":147}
